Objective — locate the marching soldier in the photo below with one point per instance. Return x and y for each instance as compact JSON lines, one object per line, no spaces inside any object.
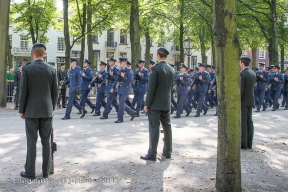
{"x":87,"y":76}
{"x":268,"y":100}
{"x":262,"y":78}
{"x":211,"y":94}
{"x":174,"y":105}
{"x":111,"y":88}
{"x":17,"y":86}
{"x":182,"y":81}
{"x":62,"y":77}
{"x":128,"y":102}
{"x":124,"y":79}
{"x":191,"y":92}
{"x":275,"y":82}
{"x":100,"y":81}
{"x":74,"y":82}
{"x":202,"y":78}
{"x":285,"y":90}
{"x":141,"y":78}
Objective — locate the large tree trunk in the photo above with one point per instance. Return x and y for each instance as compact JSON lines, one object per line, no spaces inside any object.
{"x":282,"y":55}
{"x":89,"y":36}
{"x":83,"y":30}
{"x":213,"y":49}
{"x":4,"y":31}
{"x":227,"y":49}
{"x":273,"y":41}
{"x":135,"y":33}
{"x":147,"y":48}
{"x":181,"y":35}
{"x":203,"y":48}
{"x":254,"y":57}
{"x":8,"y":53}
{"x":66,"y":34}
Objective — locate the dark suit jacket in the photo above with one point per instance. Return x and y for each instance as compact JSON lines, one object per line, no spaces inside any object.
{"x":38,"y":90}
{"x":248,"y":80}
{"x":159,"y":87}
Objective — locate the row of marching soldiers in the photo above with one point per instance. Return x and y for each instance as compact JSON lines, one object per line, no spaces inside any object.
{"x":270,"y":84}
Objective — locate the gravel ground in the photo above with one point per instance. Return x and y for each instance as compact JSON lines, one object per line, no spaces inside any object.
{"x":99,"y":155}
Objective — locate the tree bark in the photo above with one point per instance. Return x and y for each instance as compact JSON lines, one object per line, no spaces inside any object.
{"x":135,"y":33}
{"x":227,"y":49}
{"x":147,"y":48}
{"x":4,"y":31}
{"x":254,"y":56}
{"x":282,"y":55}
{"x":66,"y":34}
{"x":202,"y":47}
{"x":83,"y":30}
{"x":89,"y":36}
{"x":8,"y":51}
{"x":181,"y":35}
{"x":273,"y":41}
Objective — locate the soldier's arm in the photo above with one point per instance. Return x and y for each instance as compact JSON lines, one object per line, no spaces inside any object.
{"x":151,"y":87}
{"x":23,"y":91}
{"x":79,"y":78}
{"x":205,"y":79}
{"x":88,"y":76}
{"x":115,"y":75}
{"x":186,"y":80}
{"x":104,"y":79}
{"x":54,"y":93}
{"x":242,"y":83}
{"x":145,"y":77}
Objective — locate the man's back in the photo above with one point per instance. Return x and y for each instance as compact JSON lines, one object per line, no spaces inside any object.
{"x":160,"y":86}
{"x":248,"y":81}
{"x":38,"y":92}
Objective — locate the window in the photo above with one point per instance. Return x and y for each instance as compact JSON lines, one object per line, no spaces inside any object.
{"x":194,"y":62}
{"x":61,"y":44}
{"x":151,"y":57}
{"x":123,"y":55}
{"x":109,"y":54}
{"x":110,"y":36}
{"x":75,"y":54}
{"x":123,"y":37}
{"x":94,"y":38}
{"x":24,"y":43}
{"x":59,"y":60}
{"x":262,"y":54}
{"x":10,"y":41}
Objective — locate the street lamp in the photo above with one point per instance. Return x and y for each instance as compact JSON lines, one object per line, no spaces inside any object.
{"x":188,"y":44}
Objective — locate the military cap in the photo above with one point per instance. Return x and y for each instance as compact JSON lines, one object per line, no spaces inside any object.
{"x":184,"y":66}
{"x":164,"y":50}
{"x":245,"y":58}
{"x":73,"y":60}
{"x":196,"y":68}
{"x":277,"y":66}
{"x":141,"y":61}
{"x":201,"y":65}
{"x":122,"y":59}
{"x":191,"y":70}
{"x":62,"y":64}
{"x":213,"y":67}
{"x":255,"y":69}
{"x":37,"y":45}
{"x":87,"y":61}
{"x":128,"y":63}
{"x":102,"y":63}
{"x":262,"y":64}
{"x":208,"y":66}
{"x":112,"y":59}
{"x":151,"y":62}
{"x":272,"y":66}
{"x":172,"y":65}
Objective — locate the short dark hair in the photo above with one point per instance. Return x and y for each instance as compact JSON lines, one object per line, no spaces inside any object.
{"x":246,"y":63}
{"x":162,"y":54}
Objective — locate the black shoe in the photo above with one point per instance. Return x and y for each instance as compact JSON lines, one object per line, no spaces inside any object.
{"x":134,"y":115}
{"x":177,"y":116}
{"x":83,"y":112}
{"x":45,"y":176}
{"x":97,"y":114}
{"x":172,"y":111}
{"x":23,"y":174}
{"x":282,"y":106}
{"x":16,"y":108}
{"x":118,"y":121}
{"x":144,"y":112}
{"x":168,"y":156}
{"x":285,"y":108}
{"x":103,"y":117}
{"x":197,"y":116}
{"x":264,"y":108}
{"x":93,"y":109}
{"x":257,"y":111}
{"x":137,"y":115}
{"x":215,"y":114}
{"x":273,"y":109}
{"x":205,"y":112}
{"x":188,"y":113}
{"x":65,"y":118}
{"x":64,"y":107}
{"x":148,"y":157}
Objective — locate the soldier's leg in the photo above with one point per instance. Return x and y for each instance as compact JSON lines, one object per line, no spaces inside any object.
{"x":88,"y":101}
{"x":45,"y":135}
{"x":180,"y":101}
{"x":77,"y":104}
{"x":166,"y":124}
{"x":32,"y":126}
{"x":134,"y":99}
{"x":186,"y":105}
{"x":115,"y":103}
{"x":100,"y":97}
{"x":284,"y":99}
{"x":63,"y":94}
{"x":200,"y":97}
{"x":71,"y":99}
{"x":154,"y":126}
{"x":244,"y":115}
{"x":250,"y":128}
{"x":276,"y":95}
{"x":139,"y":101}
{"x":110,"y":99}
{"x":286,"y":93}
{"x":121,"y":109}
{"x":84,"y":95}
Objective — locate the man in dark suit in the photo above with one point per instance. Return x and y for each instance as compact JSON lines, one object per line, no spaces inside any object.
{"x":158,"y":103}
{"x":17,"y":86}
{"x":248,"y":80}
{"x":62,"y":77}
{"x":38,"y":97}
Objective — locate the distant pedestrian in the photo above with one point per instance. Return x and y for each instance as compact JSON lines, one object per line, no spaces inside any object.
{"x":17,"y":86}
{"x":10,"y":85}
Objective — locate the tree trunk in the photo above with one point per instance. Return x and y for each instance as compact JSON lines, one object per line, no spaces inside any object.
{"x":135,"y":33}
{"x":254,"y":57}
{"x":89,"y":36}
{"x":4,"y":31}
{"x":83,"y":30}
{"x":203,"y":49}
{"x":181,"y":35}
{"x":227,"y":49}
{"x":273,"y":41}
{"x":8,"y":53}
{"x":282,"y":55}
{"x":66,"y":34}
{"x":213,"y":49}
{"x":147,"y":48}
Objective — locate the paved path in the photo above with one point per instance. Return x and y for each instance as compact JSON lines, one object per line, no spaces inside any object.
{"x":99,"y":155}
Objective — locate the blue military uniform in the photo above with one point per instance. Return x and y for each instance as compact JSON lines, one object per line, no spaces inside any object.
{"x":210,"y":95}
{"x":174,"y":105}
{"x":268,"y":100}
{"x":100,"y":80}
{"x":140,"y":87}
{"x":125,"y":86}
{"x":74,"y":82}
{"x":276,"y":88}
{"x":112,"y":81}
{"x":86,"y":80}
{"x":285,"y":92}
{"x":262,"y":78}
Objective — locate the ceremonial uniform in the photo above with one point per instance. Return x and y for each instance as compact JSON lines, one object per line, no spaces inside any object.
{"x":276,"y":88}
{"x":262,"y":78}
{"x":62,"y":77}
{"x":285,"y":92}
{"x":174,"y":105}
{"x":17,"y":86}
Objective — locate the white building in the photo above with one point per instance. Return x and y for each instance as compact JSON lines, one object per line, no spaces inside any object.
{"x":110,"y":43}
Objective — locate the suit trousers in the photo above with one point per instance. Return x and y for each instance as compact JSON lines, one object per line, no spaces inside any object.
{"x":173,"y":102}
{"x":100,"y":102}
{"x":32,"y":126}
{"x":84,"y":99}
{"x":139,"y":101}
{"x":199,"y":97}
{"x":260,"y":98}
{"x":247,"y":128}
{"x":181,"y":102}
{"x":16,"y":99}
{"x":134,"y":100}
{"x":275,"y":94}
{"x":72,"y":101}
{"x":123,"y":107}
{"x":111,"y":100}
{"x":155,"y":117}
